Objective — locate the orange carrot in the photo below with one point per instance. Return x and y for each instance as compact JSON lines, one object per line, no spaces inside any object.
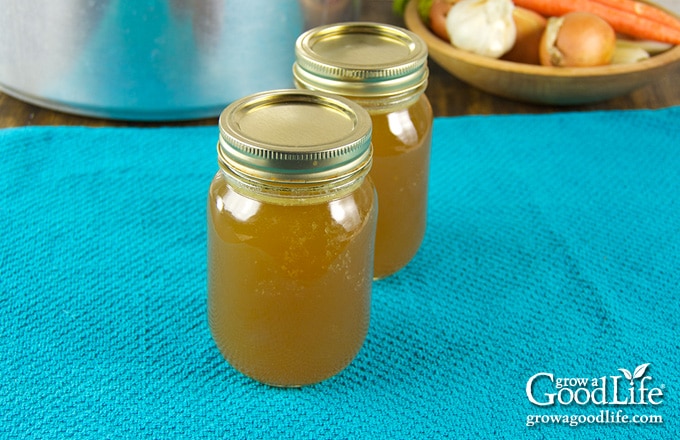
{"x":549,"y":8}
{"x":644,"y":10}
{"x":622,"y":21}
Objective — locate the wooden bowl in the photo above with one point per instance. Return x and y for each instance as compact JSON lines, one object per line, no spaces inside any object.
{"x":540,"y":84}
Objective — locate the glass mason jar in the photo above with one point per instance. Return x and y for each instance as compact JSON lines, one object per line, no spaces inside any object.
{"x":384,"y":69}
{"x":291,"y":228}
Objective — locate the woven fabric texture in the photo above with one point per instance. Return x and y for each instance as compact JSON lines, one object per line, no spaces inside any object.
{"x":553,"y":246}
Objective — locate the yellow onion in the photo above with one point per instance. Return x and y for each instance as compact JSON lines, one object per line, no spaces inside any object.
{"x":577,"y":39}
{"x":530,"y":26}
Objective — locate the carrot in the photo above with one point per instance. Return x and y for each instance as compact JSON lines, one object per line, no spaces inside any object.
{"x":549,"y":8}
{"x":644,"y":10}
{"x":622,"y":21}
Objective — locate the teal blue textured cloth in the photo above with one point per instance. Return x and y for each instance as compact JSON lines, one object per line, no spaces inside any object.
{"x":552,"y":249}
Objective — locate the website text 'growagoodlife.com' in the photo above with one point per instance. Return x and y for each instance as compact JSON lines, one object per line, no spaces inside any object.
{"x":605,"y":417}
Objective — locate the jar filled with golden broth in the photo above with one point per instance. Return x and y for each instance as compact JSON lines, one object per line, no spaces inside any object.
{"x":384,"y":69}
{"x":291,"y":230}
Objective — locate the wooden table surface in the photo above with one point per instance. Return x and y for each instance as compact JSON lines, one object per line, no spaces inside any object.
{"x":449,"y":96}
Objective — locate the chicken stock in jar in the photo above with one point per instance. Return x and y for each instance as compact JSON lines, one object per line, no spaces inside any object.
{"x":384,"y":69}
{"x":291,"y":230}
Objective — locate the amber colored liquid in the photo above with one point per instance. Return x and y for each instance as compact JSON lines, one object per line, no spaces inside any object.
{"x":289,"y":284}
{"x":401,"y":163}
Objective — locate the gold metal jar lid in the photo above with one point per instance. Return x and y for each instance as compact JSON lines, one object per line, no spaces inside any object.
{"x":361,"y":59}
{"x":295,"y":136}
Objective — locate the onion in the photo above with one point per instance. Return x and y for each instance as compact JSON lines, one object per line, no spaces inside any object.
{"x":577,"y":39}
{"x":530,"y":26}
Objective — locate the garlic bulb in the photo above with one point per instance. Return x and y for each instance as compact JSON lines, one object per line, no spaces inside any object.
{"x":484,"y":27}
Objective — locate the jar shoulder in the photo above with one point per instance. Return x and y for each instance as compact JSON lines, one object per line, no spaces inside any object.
{"x":229,"y":203}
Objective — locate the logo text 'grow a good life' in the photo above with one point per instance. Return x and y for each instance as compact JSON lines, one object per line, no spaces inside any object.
{"x":630,"y":389}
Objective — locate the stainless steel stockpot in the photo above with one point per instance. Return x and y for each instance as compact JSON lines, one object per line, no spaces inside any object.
{"x":146,"y":59}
